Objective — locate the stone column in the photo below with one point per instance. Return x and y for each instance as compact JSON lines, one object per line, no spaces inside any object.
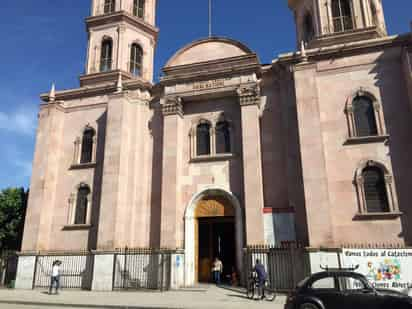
{"x":120,"y":48}
{"x":249,"y":98}
{"x":312,"y":151}
{"x":172,"y":112}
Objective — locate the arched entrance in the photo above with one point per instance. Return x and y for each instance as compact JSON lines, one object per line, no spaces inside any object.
{"x":213,"y":227}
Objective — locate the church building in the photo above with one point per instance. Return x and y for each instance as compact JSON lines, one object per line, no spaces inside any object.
{"x":224,"y":152}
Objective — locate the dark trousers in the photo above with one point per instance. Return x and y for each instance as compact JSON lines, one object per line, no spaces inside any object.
{"x":261,"y":290}
{"x":216,"y":277}
{"x":55,"y":281}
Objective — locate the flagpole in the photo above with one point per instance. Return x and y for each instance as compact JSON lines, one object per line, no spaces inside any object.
{"x":210,"y":18}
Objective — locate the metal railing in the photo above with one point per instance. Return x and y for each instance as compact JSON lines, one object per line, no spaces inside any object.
{"x":8,"y":268}
{"x":76,"y":270}
{"x":285,"y":265}
{"x":136,"y":269}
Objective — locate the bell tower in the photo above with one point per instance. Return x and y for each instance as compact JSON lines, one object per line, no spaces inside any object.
{"x":329,"y":22}
{"x":122,"y":40}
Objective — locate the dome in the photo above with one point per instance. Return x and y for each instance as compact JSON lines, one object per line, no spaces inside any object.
{"x":209,"y":49}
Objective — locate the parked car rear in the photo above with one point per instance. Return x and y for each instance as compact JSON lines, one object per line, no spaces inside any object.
{"x":344,"y":290}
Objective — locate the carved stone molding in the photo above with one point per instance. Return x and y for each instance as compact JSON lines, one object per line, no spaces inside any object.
{"x":173,"y":106}
{"x":249,"y":95}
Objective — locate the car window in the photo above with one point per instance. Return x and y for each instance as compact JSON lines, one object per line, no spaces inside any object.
{"x":324,"y":283}
{"x":348,"y":283}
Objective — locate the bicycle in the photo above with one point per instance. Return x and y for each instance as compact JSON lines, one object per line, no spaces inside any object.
{"x":253,"y":288}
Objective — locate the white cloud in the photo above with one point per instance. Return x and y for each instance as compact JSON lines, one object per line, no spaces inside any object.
{"x":21,"y":121}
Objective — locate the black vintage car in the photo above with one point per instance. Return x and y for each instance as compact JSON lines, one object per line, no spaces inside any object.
{"x":342,"y":289}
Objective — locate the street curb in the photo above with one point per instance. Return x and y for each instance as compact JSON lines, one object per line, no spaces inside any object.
{"x":65,"y":305}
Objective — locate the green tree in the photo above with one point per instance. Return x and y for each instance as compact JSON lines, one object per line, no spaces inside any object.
{"x":13,"y":202}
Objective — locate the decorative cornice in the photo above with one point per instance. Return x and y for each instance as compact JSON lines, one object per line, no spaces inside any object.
{"x":211,"y":69}
{"x":249,"y":95}
{"x":345,"y":49}
{"x":172,"y":106}
{"x":100,"y":89}
{"x":122,"y":16}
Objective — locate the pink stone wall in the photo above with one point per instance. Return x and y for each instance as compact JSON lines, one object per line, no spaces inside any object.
{"x":334,"y":82}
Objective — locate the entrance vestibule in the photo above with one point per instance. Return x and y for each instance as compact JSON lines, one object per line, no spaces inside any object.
{"x":215,"y":237}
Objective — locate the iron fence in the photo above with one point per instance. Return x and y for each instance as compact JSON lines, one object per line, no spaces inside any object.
{"x":286,"y":265}
{"x":136,"y":269}
{"x":76,"y":270}
{"x":8,"y":268}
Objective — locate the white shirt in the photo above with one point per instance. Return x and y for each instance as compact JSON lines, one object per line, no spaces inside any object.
{"x":55,"y":271}
{"x":217,"y":266}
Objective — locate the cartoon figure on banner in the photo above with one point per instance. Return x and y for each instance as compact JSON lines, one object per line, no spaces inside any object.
{"x":387,"y":270}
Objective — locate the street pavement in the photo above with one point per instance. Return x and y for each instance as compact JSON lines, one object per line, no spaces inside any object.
{"x":206,"y":297}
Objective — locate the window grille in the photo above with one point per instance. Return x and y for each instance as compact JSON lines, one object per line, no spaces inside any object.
{"x":136,"y":57}
{"x":109,"y":6}
{"x":106,"y":56}
{"x":138,"y":8}
{"x":342,"y":15}
{"x":364,"y":115}
{"x":87,"y":146}
{"x":203,"y":139}
{"x":375,"y":190}
{"x":82,"y":204}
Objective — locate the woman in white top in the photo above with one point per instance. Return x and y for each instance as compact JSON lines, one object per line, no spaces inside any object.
{"x":217,"y":270}
{"x":55,"y":277}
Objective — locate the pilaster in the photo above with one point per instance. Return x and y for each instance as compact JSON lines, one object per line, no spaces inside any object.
{"x":172,"y":110}
{"x":249,"y":99}
{"x":112,"y":177}
{"x":313,"y":156}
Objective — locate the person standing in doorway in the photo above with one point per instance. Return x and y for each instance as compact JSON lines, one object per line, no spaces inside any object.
{"x":217,"y":270}
{"x":55,"y":277}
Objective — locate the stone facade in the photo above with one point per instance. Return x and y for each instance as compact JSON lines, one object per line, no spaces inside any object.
{"x":294,"y":169}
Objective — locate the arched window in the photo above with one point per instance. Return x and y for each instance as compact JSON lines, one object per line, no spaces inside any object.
{"x":87,"y":146}
{"x":376,"y":196}
{"x":223,"y":142}
{"x":364,"y":116}
{"x":82,"y":203}
{"x":138,"y":8}
{"x":106,"y":55}
{"x":342,"y":15}
{"x":309,"y":31}
{"x":203,"y":139}
{"x":109,"y":6}
{"x":136,"y":57}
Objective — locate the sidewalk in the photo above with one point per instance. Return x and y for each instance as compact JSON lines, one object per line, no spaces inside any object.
{"x":209,"y":297}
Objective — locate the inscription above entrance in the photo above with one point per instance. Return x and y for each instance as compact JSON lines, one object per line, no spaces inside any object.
{"x":210,"y":84}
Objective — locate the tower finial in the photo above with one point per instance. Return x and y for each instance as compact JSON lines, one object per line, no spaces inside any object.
{"x":303,"y":54}
{"x":52,"y":94}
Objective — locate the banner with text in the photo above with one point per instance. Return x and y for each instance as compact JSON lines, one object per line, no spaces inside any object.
{"x":384,"y":268}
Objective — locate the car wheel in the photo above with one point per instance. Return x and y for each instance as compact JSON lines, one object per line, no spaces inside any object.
{"x":308,"y":306}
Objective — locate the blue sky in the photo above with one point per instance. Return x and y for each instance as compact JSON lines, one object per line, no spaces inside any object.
{"x":45,"y":41}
